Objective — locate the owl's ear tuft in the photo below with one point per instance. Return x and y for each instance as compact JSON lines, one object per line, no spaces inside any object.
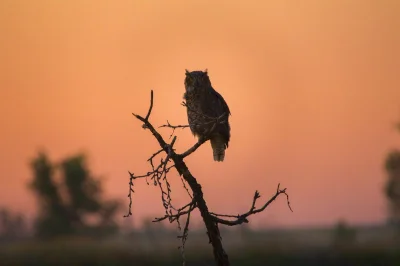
{"x":206,"y":71}
{"x":187,"y":72}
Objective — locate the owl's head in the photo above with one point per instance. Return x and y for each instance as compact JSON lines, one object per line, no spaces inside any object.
{"x":196,"y":80}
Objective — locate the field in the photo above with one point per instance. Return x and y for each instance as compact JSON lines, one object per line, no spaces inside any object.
{"x":372,"y":246}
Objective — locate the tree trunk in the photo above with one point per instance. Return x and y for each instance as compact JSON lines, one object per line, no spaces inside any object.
{"x":221,"y":258}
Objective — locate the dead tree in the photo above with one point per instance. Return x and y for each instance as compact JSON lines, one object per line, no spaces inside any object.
{"x":158,"y":175}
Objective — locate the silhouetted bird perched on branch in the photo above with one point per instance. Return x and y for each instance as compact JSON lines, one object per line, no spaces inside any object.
{"x":208,"y":113}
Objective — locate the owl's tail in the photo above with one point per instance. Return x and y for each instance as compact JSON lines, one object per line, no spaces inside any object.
{"x":218,"y":147}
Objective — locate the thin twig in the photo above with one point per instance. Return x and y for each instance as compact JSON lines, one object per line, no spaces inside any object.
{"x":185,"y":187}
{"x":182,"y":211}
{"x":151,"y":106}
{"x":173,"y":127}
{"x":130,"y":194}
{"x":184,"y":237}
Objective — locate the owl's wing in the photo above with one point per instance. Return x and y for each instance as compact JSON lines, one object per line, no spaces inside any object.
{"x":218,"y":104}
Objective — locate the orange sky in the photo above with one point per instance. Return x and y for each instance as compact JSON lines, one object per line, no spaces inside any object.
{"x":312,"y":87}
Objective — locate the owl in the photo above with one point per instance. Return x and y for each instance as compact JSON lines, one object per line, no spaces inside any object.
{"x":204,"y":105}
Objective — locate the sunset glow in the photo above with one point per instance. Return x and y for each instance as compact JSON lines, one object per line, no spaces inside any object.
{"x":313,"y":89}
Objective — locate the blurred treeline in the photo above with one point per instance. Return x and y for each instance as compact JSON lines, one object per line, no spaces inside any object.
{"x":74,"y":205}
{"x":70,"y":202}
{"x":76,"y":225}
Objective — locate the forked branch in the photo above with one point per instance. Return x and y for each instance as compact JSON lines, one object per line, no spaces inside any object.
{"x":242,"y":218}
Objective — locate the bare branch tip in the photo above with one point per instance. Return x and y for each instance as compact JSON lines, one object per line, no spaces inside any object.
{"x":151,"y":106}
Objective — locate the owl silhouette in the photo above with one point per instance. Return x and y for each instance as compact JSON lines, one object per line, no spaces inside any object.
{"x":204,"y":105}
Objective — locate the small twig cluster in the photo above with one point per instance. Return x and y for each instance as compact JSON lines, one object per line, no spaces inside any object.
{"x":158,"y":176}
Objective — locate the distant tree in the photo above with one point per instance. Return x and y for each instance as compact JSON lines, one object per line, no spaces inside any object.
{"x":82,"y":190}
{"x":69,"y":215}
{"x":4,"y":223}
{"x":53,"y":214}
{"x":392,"y":188}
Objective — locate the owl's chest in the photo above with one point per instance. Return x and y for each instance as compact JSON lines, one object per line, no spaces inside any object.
{"x":194,"y":101}
{"x":194,"y":108}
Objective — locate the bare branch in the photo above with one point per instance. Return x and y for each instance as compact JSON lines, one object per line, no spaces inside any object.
{"x":173,"y":127}
{"x":154,"y":155}
{"x":242,"y":218}
{"x":193,"y":148}
{"x":158,"y":175}
{"x":130,"y":194}
{"x":151,"y":106}
{"x":149,"y":126}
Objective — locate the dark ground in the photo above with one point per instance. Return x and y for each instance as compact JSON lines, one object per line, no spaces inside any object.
{"x":370,"y":247}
